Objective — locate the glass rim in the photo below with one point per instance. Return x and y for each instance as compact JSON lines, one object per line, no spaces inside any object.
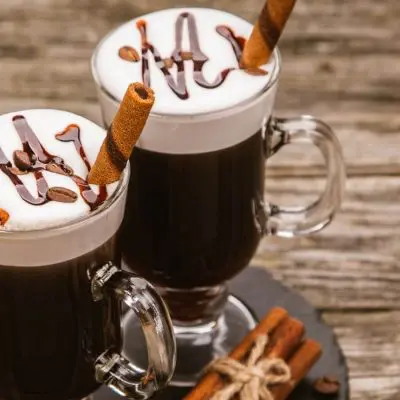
{"x":110,"y":201}
{"x":208,"y":114}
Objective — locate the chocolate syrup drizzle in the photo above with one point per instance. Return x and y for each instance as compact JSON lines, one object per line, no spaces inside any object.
{"x":72,"y":134}
{"x":199,"y":58}
{"x":42,"y":160}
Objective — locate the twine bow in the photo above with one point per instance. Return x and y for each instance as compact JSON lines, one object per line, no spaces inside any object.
{"x":252,"y":380}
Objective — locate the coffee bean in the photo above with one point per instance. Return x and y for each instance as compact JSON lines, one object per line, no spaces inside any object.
{"x":328,"y":385}
{"x":57,"y":169}
{"x":256,"y":71}
{"x":128,"y":53}
{"x":168,"y":63}
{"x":61,"y":195}
{"x":22,"y":160}
{"x":4,"y":216}
{"x":186,"y":55}
{"x":67,"y":170}
{"x":17,"y":171}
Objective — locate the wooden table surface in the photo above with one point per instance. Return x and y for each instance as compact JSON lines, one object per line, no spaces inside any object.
{"x":342,"y":64}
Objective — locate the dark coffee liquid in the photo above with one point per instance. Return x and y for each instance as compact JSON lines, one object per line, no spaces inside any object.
{"x":51,"y":330}
{"x":189,"y":218}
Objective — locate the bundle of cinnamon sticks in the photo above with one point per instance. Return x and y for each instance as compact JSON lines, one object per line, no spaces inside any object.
{"x":286,"y":342}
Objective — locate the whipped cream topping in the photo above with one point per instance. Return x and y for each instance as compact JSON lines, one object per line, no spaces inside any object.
{"x":62,"y":146}
{"x":188,"y":56}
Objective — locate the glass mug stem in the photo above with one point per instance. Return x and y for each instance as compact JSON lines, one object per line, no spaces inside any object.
{"x":112,"y":368}
{"x":288,"y":222}
{"x":195,"y":307}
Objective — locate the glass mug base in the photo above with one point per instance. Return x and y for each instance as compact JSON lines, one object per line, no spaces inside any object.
{"x":197,"y":345}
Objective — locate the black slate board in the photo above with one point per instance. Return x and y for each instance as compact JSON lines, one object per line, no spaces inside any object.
{"x":261,"y":292}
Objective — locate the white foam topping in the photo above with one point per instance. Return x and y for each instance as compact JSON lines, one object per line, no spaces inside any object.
{"x":210,"y":119}
{"x":46,"y":124}
{"x":115,"y":74}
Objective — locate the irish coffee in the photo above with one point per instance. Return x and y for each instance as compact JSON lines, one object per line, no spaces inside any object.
{"x":198,"y":171}
{"x":60,"y":274}
{"x":52,"y":331}
{"x":196,"y":211}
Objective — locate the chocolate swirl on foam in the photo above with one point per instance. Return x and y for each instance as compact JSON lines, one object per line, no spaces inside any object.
{"x":179,"y":56}
{"x":41,"y":160}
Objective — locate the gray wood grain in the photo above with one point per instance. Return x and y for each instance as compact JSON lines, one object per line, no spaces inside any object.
{"x":354,"y":263}
{"x":372,"y":352}
{"x":341,"y":63}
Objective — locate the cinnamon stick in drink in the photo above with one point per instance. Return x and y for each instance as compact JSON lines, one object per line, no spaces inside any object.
{"x":122,"y":135}
{"x":4,"y":216}
{"x":266,"y":33}
{"x":212,"y":381}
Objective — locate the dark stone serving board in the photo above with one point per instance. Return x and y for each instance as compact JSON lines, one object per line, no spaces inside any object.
{"x":261,"y":292}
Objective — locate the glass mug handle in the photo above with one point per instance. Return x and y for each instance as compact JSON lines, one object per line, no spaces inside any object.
{"x":112,"y":368}
{"x":294,"y":221}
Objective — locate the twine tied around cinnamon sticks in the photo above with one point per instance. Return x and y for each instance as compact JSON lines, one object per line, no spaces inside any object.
{"x":283,"y":339}
{"x":251,"y":381}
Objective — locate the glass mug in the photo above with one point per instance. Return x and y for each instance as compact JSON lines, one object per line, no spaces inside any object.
{"x":60,"y":310}
{"x":197,"y":217}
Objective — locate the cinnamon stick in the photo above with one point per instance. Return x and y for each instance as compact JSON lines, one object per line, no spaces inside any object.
{"x":285,"y":340}
{"x":266,"y":32}
{"x":122,"y":135}
{"x":4,"y":216}
{"x":212,"y":381}
{"x":300,"y":364}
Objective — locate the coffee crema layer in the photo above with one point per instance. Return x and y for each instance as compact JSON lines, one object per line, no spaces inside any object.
{"x":45,"y":157}
{"x":190,"y":57}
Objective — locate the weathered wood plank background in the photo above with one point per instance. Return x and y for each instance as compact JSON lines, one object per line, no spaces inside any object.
{"x":341,"y":63}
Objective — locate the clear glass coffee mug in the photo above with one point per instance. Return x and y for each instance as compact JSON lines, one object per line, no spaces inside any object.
{"x":197,"y":200}
{"x":60,"y":310}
